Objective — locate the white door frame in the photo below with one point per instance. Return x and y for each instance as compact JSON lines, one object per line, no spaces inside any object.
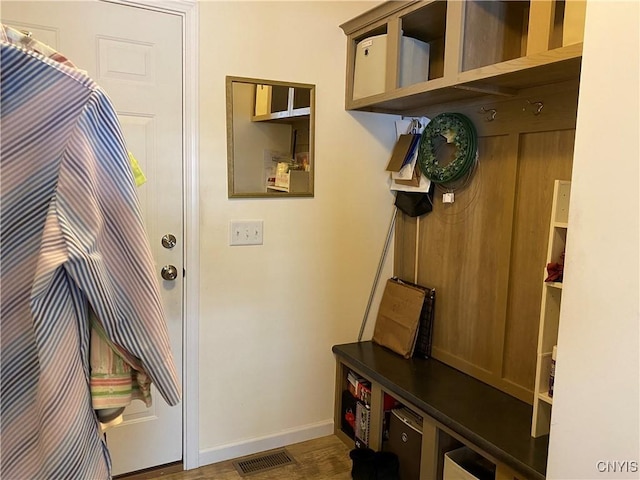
{"x":188,"y":11}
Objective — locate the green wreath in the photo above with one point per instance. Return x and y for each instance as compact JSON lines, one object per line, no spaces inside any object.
{"x":453,"y":128}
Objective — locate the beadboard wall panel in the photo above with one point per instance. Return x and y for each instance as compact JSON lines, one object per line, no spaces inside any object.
{"x":484,"y":254}
{"x":463,"y":246}
{"x":543,"y":157}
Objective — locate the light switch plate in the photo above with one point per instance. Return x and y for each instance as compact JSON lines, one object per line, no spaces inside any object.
{"x":245,"y":232}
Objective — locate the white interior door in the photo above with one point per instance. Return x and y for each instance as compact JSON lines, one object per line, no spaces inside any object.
{"x":135,"y":54}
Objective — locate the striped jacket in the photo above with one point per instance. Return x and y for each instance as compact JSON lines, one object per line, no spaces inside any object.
{"x":72,"y":238}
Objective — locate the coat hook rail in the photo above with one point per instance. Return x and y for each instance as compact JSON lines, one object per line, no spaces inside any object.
{"x":492,"y":112}
{"x":416,"y":125}
{"x":538,"y":106}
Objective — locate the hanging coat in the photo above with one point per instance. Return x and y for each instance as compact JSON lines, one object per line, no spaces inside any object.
{"x":72,"y":238}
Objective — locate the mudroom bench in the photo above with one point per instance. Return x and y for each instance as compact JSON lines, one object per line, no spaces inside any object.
{"x":456,"y":411}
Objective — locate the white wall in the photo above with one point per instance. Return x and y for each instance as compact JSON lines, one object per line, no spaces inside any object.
{"x":596,"y":409}
{"x":270,"y":313}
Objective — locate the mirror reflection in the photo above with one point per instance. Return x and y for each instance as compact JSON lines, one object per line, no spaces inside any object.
{"x":269,"y":138}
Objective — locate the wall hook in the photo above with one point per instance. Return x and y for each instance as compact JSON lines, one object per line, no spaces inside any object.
{"x":415,"y":126}
{"x":491,"y":113}
{"x":538,"y":106}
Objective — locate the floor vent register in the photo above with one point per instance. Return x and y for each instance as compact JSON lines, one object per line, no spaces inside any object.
{"x":263,"y":461}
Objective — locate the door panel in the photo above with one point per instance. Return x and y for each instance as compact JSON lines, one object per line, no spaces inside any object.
{"x":136,"y":56}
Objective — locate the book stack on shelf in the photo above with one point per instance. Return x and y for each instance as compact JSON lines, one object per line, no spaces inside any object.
{"x":356,"y":409}
{"x":363,"y":422}
{"x":359,"y":406}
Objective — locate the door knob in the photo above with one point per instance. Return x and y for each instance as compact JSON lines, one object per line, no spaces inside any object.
{"x":169,"y":241}
{"x":169,"y":272}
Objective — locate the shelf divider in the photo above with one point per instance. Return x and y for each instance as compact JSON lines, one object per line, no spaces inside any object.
{"x":541,"y":19}
{"x":453,"y":39}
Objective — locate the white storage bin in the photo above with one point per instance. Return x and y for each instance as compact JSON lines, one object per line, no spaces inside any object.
{"x":414,"y":61}
{"x":371,"y":64}
{"x":465,"y":464}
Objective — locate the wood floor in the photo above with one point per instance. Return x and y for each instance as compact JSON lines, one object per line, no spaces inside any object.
{"x":319,"y":459}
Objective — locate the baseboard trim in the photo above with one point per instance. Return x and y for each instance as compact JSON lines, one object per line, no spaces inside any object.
{"x":261,"y":444}
{"x":153,"y":472}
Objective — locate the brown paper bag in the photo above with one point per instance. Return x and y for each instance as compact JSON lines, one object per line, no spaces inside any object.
{"x":400,"y":152}
{"x":398,"y":317}
{"x":415,"y":178}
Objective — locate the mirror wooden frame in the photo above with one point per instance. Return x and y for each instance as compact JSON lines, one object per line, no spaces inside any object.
{"x":293,"y":115}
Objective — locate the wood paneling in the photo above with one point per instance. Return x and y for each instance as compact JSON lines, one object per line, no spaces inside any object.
{"x":464,"y":251}
{"x":485,"y":253}
{"x":497,"y":24}
{"x":543,"y":157}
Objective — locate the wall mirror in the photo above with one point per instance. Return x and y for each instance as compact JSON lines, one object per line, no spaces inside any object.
{"x":270,"y":131}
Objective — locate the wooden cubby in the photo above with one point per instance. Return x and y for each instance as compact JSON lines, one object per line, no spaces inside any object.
{"x":523,"y":60}
{"x":374,"y":404}
{"x":435,"y":441}
{"x":477,"y":48}
{"x":448,"y":421}
{"x":494,"y":32}
{"x":428,"y":24}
